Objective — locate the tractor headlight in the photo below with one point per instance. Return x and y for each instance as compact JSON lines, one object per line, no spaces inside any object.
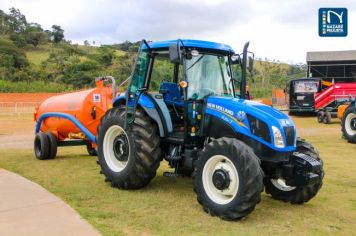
{"x":277,"y":137}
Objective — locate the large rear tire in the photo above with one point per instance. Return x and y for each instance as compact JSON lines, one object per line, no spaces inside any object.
{"x":296,"y":195}
{"x":229,"y":179}
{"x":128,"y":158}
{"x":348,"y":124}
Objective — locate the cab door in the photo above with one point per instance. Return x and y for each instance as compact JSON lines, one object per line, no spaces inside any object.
{"x":138,"y":81}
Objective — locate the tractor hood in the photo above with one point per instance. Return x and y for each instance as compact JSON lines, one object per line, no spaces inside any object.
{"x":238,"y":113}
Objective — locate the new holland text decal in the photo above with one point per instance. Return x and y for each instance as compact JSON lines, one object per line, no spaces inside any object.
{"x":226,"y":112}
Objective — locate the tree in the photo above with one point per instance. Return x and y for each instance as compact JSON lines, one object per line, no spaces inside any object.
{"x":16,"y":21}
{"x":35,"y":34}
{"x":3,"y":22}
{"x":57,"y":33}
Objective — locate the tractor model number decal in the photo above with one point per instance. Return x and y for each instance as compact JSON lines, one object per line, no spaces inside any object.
{"x":225,"y":111}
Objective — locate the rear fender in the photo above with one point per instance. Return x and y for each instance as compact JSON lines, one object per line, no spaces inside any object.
{"x":149,"y":107}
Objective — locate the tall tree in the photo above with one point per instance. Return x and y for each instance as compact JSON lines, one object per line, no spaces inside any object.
{"x":57,"y":33}
{"x":16,"y":21}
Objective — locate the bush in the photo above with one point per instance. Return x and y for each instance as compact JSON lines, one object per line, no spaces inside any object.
{"x":33,"y":87}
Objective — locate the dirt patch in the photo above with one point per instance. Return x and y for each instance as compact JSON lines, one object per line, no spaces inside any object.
{"x":16,"y":132}
{"x":25,"y":97}
{"x":18,"y":141}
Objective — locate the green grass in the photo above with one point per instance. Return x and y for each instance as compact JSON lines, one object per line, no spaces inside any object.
{"x":33,"y":87}
{"x":168,"y":206}
{"x":36,"y":57}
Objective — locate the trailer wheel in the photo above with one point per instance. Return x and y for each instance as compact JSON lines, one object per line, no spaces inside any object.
{"x":41,"y":146}
{"x":91,"y":151}
{"x":52,"y":145}
{"x":348,"y":124}
{"x":128,"y":158}
{"x":321,"y":115}
{"x":327,"y":117}
{"x":279,"y":190}
{"x":228,"y":179}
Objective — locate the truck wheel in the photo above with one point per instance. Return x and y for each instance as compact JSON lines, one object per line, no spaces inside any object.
{"x":327,"y":118}
{"x":91,"y":151}
{"x":228,"y":179}
{"x":128,"y":158}
{"x":52,"y":145}
{"x":41,"y":146}
{"x":296,"y":195}
{"x":348,"y":124}
{"x":321,"y":115}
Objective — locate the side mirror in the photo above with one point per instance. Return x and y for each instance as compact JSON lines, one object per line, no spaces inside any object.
{"x":250,"y":64}
{"x":236,"y":59}
{"x":174,"y":53}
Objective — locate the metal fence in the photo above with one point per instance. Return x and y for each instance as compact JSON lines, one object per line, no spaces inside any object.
{"x":17,"y":108}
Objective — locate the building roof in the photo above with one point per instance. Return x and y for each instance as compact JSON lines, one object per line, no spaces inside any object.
{"x":349,"y":55}
{"x":192,"y":43}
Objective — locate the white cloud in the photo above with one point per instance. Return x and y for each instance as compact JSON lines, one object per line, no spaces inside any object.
{"x":277,"y":29}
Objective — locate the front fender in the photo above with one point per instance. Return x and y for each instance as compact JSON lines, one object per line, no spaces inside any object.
{"x":235,"y":113}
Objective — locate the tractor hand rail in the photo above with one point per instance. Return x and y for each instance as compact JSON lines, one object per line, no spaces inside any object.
{"x":113,"y":83}
{"x":120,"y":85}
{"x":75,"y":121}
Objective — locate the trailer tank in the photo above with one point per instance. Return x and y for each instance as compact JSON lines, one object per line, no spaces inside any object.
{"x":86,"y":107}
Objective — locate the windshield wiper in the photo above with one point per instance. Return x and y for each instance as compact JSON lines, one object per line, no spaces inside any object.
{"x":196,"y":61}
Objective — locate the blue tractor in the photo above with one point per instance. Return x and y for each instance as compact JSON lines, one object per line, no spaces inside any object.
{"x":197,"y":116}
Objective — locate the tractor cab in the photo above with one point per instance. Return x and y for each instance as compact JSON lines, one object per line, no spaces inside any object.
{"x":178,"y":77}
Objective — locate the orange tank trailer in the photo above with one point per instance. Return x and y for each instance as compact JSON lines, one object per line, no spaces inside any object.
{"x":87,"y":106}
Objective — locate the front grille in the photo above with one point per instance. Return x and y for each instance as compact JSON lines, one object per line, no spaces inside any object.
{"x":259,"y":128}
{"x":289,"y":131}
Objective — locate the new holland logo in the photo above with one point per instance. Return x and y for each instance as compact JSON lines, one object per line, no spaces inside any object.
{"x":332,"y":22}
{"x":241,"y":116}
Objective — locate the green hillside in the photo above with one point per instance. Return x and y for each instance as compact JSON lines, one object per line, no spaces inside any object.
{"x":38,"y":60}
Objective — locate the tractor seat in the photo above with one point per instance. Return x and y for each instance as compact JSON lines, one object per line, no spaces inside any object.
{"x":171,"y":94}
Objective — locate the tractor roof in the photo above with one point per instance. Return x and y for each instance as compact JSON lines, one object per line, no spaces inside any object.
{"x":192,"y":43}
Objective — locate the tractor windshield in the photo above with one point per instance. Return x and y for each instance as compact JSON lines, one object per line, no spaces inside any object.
{"x":208,"y":74}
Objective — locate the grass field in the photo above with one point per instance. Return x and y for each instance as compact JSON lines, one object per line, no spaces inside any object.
{"x":169,"y":207}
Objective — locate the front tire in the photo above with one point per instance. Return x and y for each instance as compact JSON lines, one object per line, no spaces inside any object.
{"x":128,"y":158}
{"x":348,"y":124}
{"x":279,"y":190}
{"x":229,"y":179}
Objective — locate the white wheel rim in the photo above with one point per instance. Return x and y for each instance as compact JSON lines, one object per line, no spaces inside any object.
{"x":220,"y":196}
{"x":281,"y":185}
{"x":108,"y":148}
{"x":348,"y":126}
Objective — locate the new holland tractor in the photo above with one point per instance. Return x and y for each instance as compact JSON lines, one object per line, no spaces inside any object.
{"x":199,"y":120}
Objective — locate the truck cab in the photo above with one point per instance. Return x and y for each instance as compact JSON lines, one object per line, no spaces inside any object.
{"x":300,"y":94}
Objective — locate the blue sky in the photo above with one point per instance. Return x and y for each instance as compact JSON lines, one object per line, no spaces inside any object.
{"x":277,"y":29}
